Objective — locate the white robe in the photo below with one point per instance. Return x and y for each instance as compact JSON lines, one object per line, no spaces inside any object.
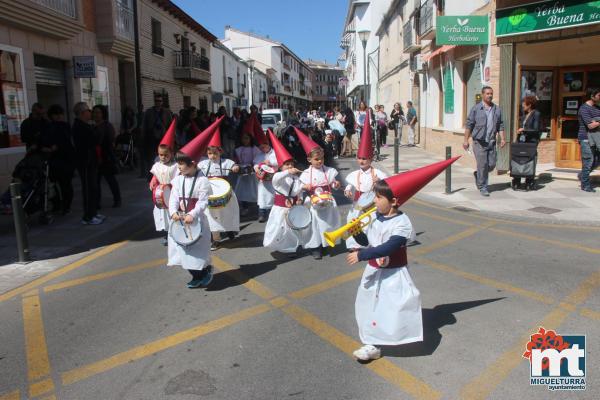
{"x":266,"y":193}
{"x":388,"y":304}
{"x":246,"y":187}
{"x":164,"y":173}
{"x":323,"y":219}
{"x":197,"y":255}
{"x":278,"y":235}
{"x":360,"y":181}
{"x":226,"y":219}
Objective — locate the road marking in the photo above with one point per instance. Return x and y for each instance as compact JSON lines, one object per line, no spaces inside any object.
{"x":382,"y":367}
{"x":484,"y":384}
{"x":51,"y":397}
{"x":136,"y":353}
{"x":251,"y":284}
{"x":41,"y":387}
{"x":586,"y":312}
{"x":549,"y":241}
{"x":451,"y":239}
{"x":486,"y":281}
{"x":326,"y":285}
{"x":61,"y":271}
{"x":105,"y":275}
{"x":38,"y":364}
{"x":16,"y":395}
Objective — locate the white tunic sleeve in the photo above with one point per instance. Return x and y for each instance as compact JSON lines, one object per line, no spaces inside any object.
{"x":351,"y":180}
{"x":279,"y":180}
{"x":402,"y":227}
{"x":174,"y":198}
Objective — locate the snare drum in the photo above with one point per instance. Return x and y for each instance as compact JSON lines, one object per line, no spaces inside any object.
{"x":185,"y":234}
{"x":365,"y":201}
{"x":265,"y":172}
{"x":161,"y":194}
{"x":221,"y":193}
{"x":321,"y":200}
{"x":298,"y":218}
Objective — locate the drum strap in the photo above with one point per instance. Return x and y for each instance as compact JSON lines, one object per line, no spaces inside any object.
{"x":220,"y":168}
{"x":187,"y":200}
{"x":312,"y":188}
{"x":358,"y":180}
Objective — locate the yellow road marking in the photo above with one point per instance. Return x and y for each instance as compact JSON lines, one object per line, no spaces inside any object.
{"x":279,"y":302}
{"x":486,"y":281}
{"x":382,"y":367}
{"x":451,"y":239}
{"x":41,"y":387}
{"x":326,"y":285}
{"x":16,"y":395}
{"x":136,"y":353}
{"x":105,"y":275}
{"x":51,"y":397}
{"x":586,"y":312}
{"x":484,"y":384}
{"x":38,"y":364}
{"x":59,"y":272}
{"x":549,"y":241}
{"x":251,"y":284}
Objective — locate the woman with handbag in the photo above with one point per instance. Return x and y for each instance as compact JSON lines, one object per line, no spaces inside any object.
{"x":104,"y":133}
{"x":396,"y":121}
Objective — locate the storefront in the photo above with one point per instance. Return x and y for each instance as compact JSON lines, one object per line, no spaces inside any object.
{"x":555,"y":58}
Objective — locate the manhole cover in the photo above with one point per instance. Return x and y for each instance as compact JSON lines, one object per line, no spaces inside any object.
{"x":545,"y":210}
{"x":464,"y":209}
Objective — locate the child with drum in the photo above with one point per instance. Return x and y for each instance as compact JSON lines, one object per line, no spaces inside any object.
{"x":246,"y":187}
{"x":388,"y":304}
{"x":318,"y":181}
{"x":223,"y":211}
{"x":360,"y":183}
{"x":189,"y":232}
{"x":163,"y":171}
{"x":288,"y":226}
{"x":265,"y":166}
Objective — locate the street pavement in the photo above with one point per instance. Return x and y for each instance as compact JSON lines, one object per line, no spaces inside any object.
{"x":119,"y":324}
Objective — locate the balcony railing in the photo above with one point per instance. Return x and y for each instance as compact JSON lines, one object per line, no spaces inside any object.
{"x":187,"y":59}
{"x":426,"y":18}
{"x":124,"y":20}
{"x":64,"y":7}
{"x":409,"y":37}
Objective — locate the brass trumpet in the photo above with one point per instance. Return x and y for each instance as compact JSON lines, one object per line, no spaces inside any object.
{"x":350,"y":228}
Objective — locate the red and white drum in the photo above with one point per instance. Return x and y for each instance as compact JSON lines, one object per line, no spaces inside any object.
{"x":221,"y":193}
{"x":161,"y":194}
{"x":265,"y":172}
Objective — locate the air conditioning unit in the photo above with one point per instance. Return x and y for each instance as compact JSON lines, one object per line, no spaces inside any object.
{"x":420,"y":65}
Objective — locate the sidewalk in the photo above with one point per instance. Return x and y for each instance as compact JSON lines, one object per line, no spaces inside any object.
{"x":67,"y":240}
{"x":557,"y":200}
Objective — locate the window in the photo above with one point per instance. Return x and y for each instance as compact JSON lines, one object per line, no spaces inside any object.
{"x":13,"y":107}
{"x":230,"y":85}
{"x":203,"y":103}
{"x":157,"y":38}
{"x":539,"y":83}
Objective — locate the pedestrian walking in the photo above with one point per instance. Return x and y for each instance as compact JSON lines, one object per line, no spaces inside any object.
{"x":107,"y":159}
{"x":397,"y":119}
{"x":528,"y":132}
{"x":589,"y":137}
{"x":350,"y":125}
{"x":484,"y":124}
{"x":411,"y":119}
{"x":33,"y":126}
{"x":381,"y":120}
{"x":154,"y":124}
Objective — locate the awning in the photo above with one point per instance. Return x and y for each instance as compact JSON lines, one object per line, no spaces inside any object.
{"x":443,"y":49}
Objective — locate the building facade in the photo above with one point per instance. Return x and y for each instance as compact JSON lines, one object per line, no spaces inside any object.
{"x":229,"y":79}
{"x":328,"y":91}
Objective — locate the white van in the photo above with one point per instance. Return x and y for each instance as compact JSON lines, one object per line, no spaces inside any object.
{"x":281,"y":114}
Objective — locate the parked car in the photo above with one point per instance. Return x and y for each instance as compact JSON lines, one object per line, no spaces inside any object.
{"x":280,"y":114}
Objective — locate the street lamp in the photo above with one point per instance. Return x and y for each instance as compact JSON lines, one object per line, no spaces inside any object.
{"x":250,"y":63}
{"x":364,"y":36}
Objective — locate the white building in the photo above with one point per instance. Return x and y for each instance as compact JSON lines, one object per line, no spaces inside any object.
{"x":229,"y":79}
{"x":290,"y":79}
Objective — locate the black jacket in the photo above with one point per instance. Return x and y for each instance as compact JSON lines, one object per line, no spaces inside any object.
{"x":85,"y":144}
{"x":57,"y":135}
{"x":31,"y":130}
{"x":532,"y":127}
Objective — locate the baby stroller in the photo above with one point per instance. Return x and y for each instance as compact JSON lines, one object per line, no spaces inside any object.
{"x":38,"y":193}
{"x":523,"y":159}
{"x":125,"y":151}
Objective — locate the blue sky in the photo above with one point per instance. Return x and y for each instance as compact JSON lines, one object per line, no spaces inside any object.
{"x":307,"y":27}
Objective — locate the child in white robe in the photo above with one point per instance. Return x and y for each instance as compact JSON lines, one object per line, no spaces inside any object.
{"x":246,"y":188}
{"x":189,"y":199}
{"x":163,"y":171}
{"x":265,"y":193}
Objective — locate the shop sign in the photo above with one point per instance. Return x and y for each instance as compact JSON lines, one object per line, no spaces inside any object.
{"x":84,"y":67}
{"x":546,"y":16}
{"x":462,"y":30}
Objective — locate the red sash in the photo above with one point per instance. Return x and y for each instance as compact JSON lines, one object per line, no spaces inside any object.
{"x":397,"y":259}
{"x":191,"y":203}
{"x":280,"y":200}
{"x":357,"y":194}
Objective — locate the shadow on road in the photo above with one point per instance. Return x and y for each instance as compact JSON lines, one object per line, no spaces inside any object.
{"x":236,"y":277}
{"x":433,"y":320}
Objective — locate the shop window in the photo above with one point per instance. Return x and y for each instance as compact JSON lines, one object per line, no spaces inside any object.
{"x":540,"y":84}
{"x":13,"y":108}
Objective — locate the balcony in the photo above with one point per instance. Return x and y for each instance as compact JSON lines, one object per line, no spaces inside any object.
{"x":286,"y":66}
{"x":57,"y":19}
{"x":191,"y":67}
{"x":411,"y":42}
{"x":427,"y":20}
{"x":114,"y":27}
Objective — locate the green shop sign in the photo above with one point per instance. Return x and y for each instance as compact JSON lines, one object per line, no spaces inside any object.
{"x":462,"y":30}
{"x":546,"y":16}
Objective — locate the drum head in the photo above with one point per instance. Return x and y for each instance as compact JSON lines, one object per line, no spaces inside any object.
{"x":184,"y":234}
{"x":267,"y":168}
{"x":220,"y":187}
{"x":298,"y":217}
{"x":366,"y":200}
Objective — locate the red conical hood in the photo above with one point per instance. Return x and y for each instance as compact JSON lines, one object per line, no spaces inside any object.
{"x":280,"y":151}
{"x":307,"y":143}
{"x":196,"y":148}
{"x":365,"y":148}
{"x":216,"y":138}
{"x":407,"y":184}
{"x":169,"y":137}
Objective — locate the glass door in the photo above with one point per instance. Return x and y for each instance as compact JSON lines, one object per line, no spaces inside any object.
{"x":571,"y":89}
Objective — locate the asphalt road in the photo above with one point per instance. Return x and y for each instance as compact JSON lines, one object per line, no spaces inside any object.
{"x":121,"y":325}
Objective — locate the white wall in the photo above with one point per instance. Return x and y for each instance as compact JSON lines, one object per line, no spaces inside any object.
{"x":464,"y":7}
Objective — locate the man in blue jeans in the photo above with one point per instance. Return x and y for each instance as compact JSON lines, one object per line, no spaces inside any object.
{"x":589,"y":125}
